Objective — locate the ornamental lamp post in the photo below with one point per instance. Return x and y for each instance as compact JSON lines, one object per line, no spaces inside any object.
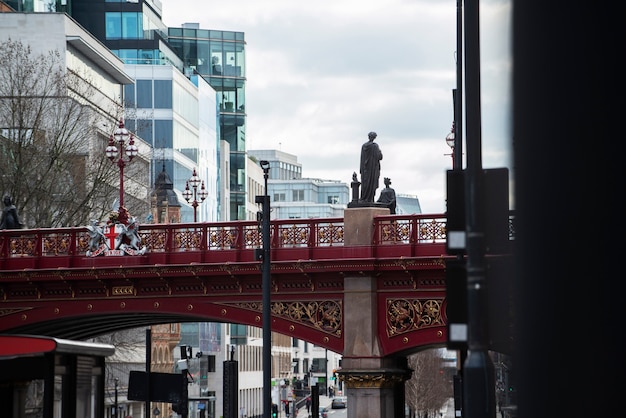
{"x":188,"y":194}
{"x":119,"y":137}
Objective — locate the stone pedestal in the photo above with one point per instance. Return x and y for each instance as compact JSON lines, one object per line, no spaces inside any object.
{"x":358,"y":224}
{"x":374,"y":384}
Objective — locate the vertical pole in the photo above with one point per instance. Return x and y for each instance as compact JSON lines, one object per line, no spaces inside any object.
{"x":478,"y":370}
{"x":326,"y":371}
{"x":457,"y":164}
{"x":120,"y":164}
{"x":267,"y":323}
{"x":115,"y":406}
{"x":458,"y":92}
{"x":148,"y":363}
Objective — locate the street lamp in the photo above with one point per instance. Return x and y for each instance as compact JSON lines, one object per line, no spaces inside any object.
{"x":188,"y":194}
{"x":119,"y":137}
{"x":266,"y":300}
{"x":451,"y":141}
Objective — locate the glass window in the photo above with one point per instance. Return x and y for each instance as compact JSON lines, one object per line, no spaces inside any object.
{"x":298,"y":195}
{"x":144,"y":130}
{"x":163,"y":137}
{"x":132,"y":25}
{"x":113,"y":22}
{"x":238,"y":334}
{"x":162,"y":94}
{"x":129,"y":95}
{"x":144,"y":94}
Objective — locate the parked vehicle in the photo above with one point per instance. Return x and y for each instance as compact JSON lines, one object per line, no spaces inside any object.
{"x":339,"y":402}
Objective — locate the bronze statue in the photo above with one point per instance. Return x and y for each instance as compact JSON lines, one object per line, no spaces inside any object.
{"x":370,"y":168}
{"x":388,"y":196}
{"x":10,"y":219}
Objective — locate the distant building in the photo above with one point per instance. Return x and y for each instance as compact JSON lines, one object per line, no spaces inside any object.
{"x":294,"y":197}
{"x":407,"y":204}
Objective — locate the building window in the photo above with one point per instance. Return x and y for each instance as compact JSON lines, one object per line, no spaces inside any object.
{"x":163,"y":94}
{"x":238,"y":334}
{"x":126,"y":25}
{"x":279,"y":197}
{"x":298,"y":195}
{"x":333,"y":200}
{"x":144,"y":93}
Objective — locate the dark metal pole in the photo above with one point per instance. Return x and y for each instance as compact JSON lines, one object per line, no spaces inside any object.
{"x":327,"y":382}
{"x":115,"y":406}
{"x":267,"y":322}
{"x":457,"y":99}
{"x":148,"y":363}
{"x":478,"y":370}
{"x":457,"y":94}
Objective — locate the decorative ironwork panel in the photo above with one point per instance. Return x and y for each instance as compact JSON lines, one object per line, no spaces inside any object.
{"x":187,"y":240}
{"x":23,"y":245}
{"x":221,"y":238}
{"x":406,"y":315}
{"x":82,"y":246}
{"x":396,"y":231}
{"x":154,"y":240}
{"x":296,"y":235}
{"x":253,"y":237}
{"x":325,"y":316}
{"x":432,"y":230}
{"x":56,"y":244}
{"x":329,"y":235}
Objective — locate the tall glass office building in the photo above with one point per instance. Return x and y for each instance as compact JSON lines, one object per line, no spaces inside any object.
{"x":219,"y":57}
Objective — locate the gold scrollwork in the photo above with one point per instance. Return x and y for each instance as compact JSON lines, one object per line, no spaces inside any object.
{"x":405,"y":315}
{"x":325,"y":316}
{"x":382,"y":379}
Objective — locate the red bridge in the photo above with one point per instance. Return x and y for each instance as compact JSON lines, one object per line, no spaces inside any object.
{"x":370,"y":286}
{"x":207,"y":272}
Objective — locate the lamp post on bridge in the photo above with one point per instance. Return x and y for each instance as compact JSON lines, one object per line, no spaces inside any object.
{"x":119,"y":137}
{"x":188,"y":194}
{"x":266,"y":300}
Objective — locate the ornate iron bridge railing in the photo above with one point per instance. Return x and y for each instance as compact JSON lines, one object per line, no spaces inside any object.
{"x":235,"y":241}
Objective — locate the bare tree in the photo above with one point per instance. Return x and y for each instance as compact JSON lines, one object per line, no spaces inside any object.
{"x":430,"y":386}
{"x":52,"y":141}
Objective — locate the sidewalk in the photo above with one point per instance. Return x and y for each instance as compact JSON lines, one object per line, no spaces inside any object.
{"x":324,"y":402}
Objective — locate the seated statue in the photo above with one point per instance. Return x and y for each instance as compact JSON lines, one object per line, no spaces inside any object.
{"x":10,"y":219}
{"x":388,"y":196}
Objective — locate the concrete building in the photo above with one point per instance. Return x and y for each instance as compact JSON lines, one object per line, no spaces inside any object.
{"x":90,"y":61}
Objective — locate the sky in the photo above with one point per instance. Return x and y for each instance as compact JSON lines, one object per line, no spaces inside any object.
{"x":321,"y":75}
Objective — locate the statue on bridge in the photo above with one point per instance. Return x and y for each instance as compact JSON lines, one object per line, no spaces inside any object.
{"x":10,"y":219}
{"x":370,"y":168}
{"x":388,"y":196}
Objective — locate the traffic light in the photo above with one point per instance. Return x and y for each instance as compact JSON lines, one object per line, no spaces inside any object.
{"x":274,"y":410}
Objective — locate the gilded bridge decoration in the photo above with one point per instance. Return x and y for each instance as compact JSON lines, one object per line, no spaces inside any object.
{"x":406,"y":315}
{"x":379,"y":379}
{"x":325,"y":316}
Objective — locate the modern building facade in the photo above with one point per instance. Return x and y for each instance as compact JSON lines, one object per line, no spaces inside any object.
{"x":219,"y":57}
{"x":177,"y":116}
